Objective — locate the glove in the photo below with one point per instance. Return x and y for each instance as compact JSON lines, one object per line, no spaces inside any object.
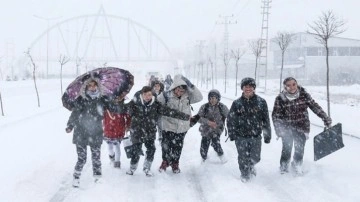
{"x":267,"y":140}
{"x":188,"y":83}
{"x":328,"y":122}
{"x":69,"y":129}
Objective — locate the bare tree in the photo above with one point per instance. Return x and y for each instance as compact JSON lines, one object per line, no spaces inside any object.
{"x":237,"y":54}
{"x":34,"y":75}
{"x":255,"y":48}
{"x":226,"y":60}
{"x":1,"y":74}
{"x":283,"y":40}
{"x":326,"y":26}
{"x":207,"y":75}
{"x":63,"y":59}
{"x":212,"y":71}
{"x":2,"y":109}
{"x":78,"y":63}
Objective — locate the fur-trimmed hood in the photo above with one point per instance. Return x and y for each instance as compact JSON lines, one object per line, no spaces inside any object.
{"x":86,"y":82}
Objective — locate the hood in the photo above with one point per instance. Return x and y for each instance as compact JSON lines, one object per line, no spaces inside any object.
{"x":86,"y":82}
{"x":177,"y":82}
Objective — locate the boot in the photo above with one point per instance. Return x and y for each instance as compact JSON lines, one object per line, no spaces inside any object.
{"x":163,"y":166}
{"x":223,"y":158}
{"x":97,"y":178}
{"x":284,"y":168}
{"x":175,"y":167}
{"x":112,"y":157}
{"x":76,"y":182}
{"x":117,"y":164}
{"x":297,"y":167}
{"x":146,"y":169}
{"x":245,"y":178}
{"x":252,"y":171}
{"x":132,"y":169}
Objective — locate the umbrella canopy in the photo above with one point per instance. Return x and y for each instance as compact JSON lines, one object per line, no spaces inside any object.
{"x":111,"y":80}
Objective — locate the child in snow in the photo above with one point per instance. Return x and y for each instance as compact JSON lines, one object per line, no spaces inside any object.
{"x":248,"y":118}
{"x":145,"y":110}
{"x":86,"y":120}
{"x":212,"y":119}
{"x":116,"y":122}
{"x":292,"y":124}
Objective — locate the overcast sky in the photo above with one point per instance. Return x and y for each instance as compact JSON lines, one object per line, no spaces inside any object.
{"x":178,"y":22}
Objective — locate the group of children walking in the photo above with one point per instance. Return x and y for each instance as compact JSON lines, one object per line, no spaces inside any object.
{"x":168,"y":112}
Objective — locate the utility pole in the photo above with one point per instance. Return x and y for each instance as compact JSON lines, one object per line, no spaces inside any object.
{"x":10,"y":57}
{"x":47,"y":40}
{"x":264,"y":41}
{"x":215,"y":64}
{"x":226,"y":24}
{"x":200,"y":45}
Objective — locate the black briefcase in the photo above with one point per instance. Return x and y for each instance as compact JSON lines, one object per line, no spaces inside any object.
{"x":328,"y":142}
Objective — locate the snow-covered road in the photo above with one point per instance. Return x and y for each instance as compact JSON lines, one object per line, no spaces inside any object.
{"x":37,"y":161}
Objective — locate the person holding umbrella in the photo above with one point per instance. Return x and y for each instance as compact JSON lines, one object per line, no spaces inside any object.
{"x":86,"y":120}
{"x":291,"y":122}
{"x":87,"y":97}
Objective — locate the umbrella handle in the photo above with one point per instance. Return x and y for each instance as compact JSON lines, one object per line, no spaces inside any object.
{"x":111,"y":117}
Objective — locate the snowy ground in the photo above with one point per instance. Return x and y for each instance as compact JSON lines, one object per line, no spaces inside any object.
{"x":38,"y":159}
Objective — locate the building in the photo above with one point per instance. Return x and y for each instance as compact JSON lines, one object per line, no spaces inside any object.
{"x":305,"y":59}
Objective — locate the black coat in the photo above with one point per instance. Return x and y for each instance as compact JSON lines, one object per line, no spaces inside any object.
{"x":249,"y":118}
{"x":86,"y":119}
{"x":144,"y":117}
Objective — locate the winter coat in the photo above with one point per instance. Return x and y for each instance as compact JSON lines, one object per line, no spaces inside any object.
{"x":116,"y":121}
{"x":215,"y":113}
{"x":144,"y":117}
{"x":192,"y":95}
{"x":293,"y":114}
{"x":249,"y":118}
{"x":86,"y":119}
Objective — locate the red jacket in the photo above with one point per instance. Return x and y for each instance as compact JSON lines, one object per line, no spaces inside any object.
{"x":115,"y":124}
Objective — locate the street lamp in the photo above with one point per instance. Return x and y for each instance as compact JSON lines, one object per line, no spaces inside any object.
{"x":47,"y":40}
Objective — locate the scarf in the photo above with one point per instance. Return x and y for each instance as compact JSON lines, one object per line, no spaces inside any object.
{"x":291,"y":96}
{"x":93,"y":94}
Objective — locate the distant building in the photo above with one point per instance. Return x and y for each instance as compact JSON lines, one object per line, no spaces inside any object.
{"x":305,"y":59}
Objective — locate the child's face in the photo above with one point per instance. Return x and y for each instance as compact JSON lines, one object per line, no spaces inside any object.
{"x":179,"y":92}
{"x":213,"y":100}
{"x":291,"y":86}
{"x":147,"y":96}
{"x":157,"y":87}
{"x":92,"y":86}
{"x":248,"y":91}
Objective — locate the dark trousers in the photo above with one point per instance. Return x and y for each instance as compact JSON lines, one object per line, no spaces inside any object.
{"x":291,"y":138}
{"x":150,"y":151}
{"x":215,"y":143}
{"x":82,"y":155}
{"x":171,"y":146}
{"x":249,"y":151}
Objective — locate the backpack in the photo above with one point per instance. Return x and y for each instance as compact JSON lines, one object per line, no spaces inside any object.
{"x":196,"y":118}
